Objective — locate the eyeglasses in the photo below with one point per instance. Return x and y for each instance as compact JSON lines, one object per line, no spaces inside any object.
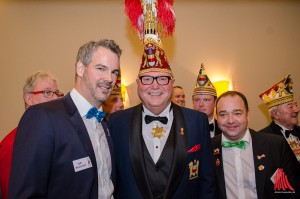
{"x":161,"y":80}
{"x":48,"y":93}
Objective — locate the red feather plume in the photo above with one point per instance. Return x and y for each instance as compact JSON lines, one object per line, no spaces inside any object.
{"x":134,"y":11}
{"x":166,"y":16}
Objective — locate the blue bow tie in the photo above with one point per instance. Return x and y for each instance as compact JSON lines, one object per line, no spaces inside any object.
{"x":93,"y":112}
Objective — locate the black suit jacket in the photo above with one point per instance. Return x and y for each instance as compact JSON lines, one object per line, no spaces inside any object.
{"x":277,"y":155}
{"x":49,"y":138}
{"x":217,"y":129}
{"x":273,"y":128}
{"x":192,"y":144}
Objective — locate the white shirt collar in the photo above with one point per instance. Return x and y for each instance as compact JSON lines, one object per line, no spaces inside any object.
{"x":283,"y":129}
{"x":81,"y":103}
{"x":166,"y":112}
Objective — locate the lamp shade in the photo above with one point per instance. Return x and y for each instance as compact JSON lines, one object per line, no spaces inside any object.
{"x":221,"y":86}
{"x":123,"y":91}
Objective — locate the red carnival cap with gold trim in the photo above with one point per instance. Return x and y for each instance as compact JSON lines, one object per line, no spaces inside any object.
{"x":154,"y":60}
{"x":145,"y":17}
{"x":280,"y":93}
{"x":203,"y":84}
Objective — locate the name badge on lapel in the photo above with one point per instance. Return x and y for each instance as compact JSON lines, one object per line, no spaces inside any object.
{"x":81,"y":164}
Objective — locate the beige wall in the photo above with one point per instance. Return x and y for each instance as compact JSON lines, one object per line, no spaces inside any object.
{"x":251,"y":43}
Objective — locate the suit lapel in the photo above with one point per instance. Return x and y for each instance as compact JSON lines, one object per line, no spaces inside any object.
{"x":108,"y":138}
{"x":137,"y":154}
{"x":276,"y":129}
{"x":81,"y":131}
{"x":260,"y":156}
{"x":180,"y":152}
{"x":217,"y":129}
{"x":217,"y":151}
{"x":110,"y":145}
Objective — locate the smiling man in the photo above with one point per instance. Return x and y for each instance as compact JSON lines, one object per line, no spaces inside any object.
{"x":162,"y":150}
{"x":62,"y":148}
{"x":249,"y":164}
{"x":284,"y":112}
{"x":178,"y":96}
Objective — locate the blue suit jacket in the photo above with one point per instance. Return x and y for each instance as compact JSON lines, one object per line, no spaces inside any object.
{"x":49,"y":138}
{"x":191,"y":130}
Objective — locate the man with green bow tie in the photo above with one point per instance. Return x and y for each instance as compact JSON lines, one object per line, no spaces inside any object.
{"x":249,"y":164}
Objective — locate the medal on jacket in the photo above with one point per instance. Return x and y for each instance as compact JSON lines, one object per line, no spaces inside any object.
{"x":158,"y":132}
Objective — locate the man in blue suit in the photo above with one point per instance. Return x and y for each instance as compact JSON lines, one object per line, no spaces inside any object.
{"x":162,"y":150}
{"x":62,"y":149}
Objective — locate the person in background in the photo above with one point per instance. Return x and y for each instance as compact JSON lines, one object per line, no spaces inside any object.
{"x":115,"y":100}
{"x":204,"y":98}
{"x":178,"y":96}
{"x":39,"y":87}
{"x":284,"y":111}
{"x":249,"y":164}
{"x":62,"y":148}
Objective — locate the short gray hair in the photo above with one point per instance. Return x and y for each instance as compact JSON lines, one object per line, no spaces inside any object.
{"x":31,"y":80}
{"x":86,"y":51}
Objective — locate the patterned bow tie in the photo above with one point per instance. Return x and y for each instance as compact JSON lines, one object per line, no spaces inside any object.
{"x":149,"y":119}
{"x":288,"y":132}
{"x":211,"y":127}
{"x":93,"y":112}
{"x":240,"y":144}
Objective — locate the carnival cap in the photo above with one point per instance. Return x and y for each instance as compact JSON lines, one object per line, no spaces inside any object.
{"x":203,"y":84}
{"x":145,"y":17}
{"x":280,"y":93}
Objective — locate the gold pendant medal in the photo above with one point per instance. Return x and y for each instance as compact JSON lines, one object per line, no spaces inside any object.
{"x":158,"y":132}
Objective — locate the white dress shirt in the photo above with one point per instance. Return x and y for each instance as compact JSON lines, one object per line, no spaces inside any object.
{"x":212,"y":133}
{"x":239,"y":171}
{"x":156,"y":145}
{"x":100,"y":146}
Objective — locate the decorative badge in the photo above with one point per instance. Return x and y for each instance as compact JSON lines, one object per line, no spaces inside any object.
{"x":194,"y":166}
{"x":216,"y":151}
{"x":218,"y":162}
{"x":261,"y":167}
{"x":181,"y":131}
{"x":293,"y":144}
{"x":158,"y":132}
{"x":261,"y":156}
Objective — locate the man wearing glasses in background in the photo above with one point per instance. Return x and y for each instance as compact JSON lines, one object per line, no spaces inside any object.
{"x":39,"y":87}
